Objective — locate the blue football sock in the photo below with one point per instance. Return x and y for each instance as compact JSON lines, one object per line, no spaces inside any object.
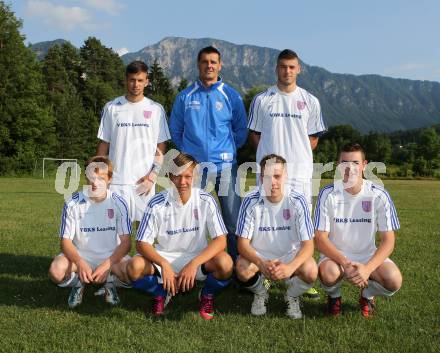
{"x":150,"y":285}
{"x":213,"y":285}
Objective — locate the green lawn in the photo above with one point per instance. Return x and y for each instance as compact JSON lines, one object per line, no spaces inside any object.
{"x":34,"y":316}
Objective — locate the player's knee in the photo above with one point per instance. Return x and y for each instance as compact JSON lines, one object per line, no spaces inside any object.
{"x":329,"y":273}
{"x":243,"y":270}
{"x":56,"y":273}
{"x":135,"y":268}
{"x":223,"y":265}
{"x":309,"y":271}
{"x":393,"y":282}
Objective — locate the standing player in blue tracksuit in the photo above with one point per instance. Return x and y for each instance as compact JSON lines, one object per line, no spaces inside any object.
{"x":209,"y":122}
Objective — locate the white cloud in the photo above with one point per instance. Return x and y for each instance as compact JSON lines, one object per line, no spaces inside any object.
{"x":122,"y":51}
{"x":64,"y":17}
{"x":111,"y":7}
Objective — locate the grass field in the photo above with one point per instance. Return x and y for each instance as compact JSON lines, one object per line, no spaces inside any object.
{"x":34,"y":316}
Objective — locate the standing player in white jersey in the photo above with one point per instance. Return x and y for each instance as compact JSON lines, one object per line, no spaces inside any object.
{"x":275,"y":239}
{"x":286,"y":120}
{"x":95,"y":237}
{"x":133,"y":133}
{"x":347,"y":216}
{"x":179,"y":220}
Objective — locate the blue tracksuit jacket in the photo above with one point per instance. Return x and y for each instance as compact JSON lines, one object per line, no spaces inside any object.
{"x":209,"y":123}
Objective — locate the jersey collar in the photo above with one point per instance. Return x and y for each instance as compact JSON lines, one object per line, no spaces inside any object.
{"x":212,"y":87}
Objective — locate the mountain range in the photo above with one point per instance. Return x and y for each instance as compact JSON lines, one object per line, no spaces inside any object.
{"x":367,"y":102}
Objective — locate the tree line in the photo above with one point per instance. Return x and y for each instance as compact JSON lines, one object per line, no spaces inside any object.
{"x":51,"y":108}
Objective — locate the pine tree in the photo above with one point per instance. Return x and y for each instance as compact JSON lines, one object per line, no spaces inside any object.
{"x":159,"y":88}
{"x":60,"y":69}
{"x":26,"y":126}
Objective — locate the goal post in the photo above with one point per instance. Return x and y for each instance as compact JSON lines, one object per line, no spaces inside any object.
{"x":73,"y":160}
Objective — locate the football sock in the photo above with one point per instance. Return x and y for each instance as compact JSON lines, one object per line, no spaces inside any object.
{"x":296,"y":286}
{"x":150,"y":285}
{"x":333,"y":291}
{"x":214,"y":285}
{"x":375,"y":288}
{"x":256,"y":284}
{"x":71,"y":281}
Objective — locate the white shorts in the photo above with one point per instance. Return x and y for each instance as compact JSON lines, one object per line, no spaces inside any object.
{"x":361,"y":259}
{"x":136,"y":203}
{"x":177,"y":263}
{"x":304,"y":187}
{"x":284,"y":259}
{"x":94,"y":263}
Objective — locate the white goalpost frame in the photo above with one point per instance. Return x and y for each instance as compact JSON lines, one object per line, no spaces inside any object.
{"x":62,"y":159}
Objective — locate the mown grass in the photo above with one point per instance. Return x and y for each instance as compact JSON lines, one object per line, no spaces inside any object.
{"x":34,"y":316}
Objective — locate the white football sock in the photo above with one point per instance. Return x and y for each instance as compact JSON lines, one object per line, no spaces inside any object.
{"x":72,"y":281}
{"x":296,"y":286}
{"x":375,"y":289}
{"x":333,"y":291}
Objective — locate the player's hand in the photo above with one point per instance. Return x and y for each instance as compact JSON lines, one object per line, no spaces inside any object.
{"x":84,"y":271}
{"x":264,"y":267}
{"x":359,"y":276}
{"x":169,"y":279}
{"x":145,"y":183}
{"x":186,"y":277}
{"x":349,"y":269}
{"x":279,"y":270}
{"x":101,"y":272}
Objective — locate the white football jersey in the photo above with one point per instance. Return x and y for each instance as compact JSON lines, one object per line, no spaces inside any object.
{"x":285,"y":121}
{"x":181,"y":229}
{"x":133,"y":131}
{"x":353,"y":220}
{"x":95,"y":227}
{"x":276,"y":230}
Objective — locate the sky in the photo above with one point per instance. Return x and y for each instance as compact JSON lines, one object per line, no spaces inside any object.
{"x":395,"y":38}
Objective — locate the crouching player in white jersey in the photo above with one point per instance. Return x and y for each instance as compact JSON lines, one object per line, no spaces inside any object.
{"x":95,"y":237}
{"x":179,"y":219}
{"x":347,"y":216}
{"x":275,"y":239}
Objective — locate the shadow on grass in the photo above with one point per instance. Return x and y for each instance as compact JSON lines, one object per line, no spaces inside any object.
{"x":24,"y":283}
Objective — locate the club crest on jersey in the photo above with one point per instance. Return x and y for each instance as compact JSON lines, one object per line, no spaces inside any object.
{"x":300,"y":105}
{"x":196,"y":214}
{"x":147,"y":114}
{"x":366,"y":206}
{"x":286,"y":214}
{"x":110,"y":213}
{"x":218,"y":106}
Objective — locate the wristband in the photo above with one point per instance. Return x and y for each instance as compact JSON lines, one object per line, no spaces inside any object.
{"x":156,"y":168}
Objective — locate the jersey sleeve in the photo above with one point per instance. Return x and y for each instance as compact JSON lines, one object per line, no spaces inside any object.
{"x":322,"y":217}
{"x":164,"y":132}
{"x":104,"y":132}
{"x":239,"y":121}
{"x":302,"y":220}
{"x":148,"y":228}
{"x":315,"y":125}
{"x":386,"y":214}
{"x":123,"y":222}
{"x":177,"y":120}
{"x":215,"y":224}
{"x":255,"y":122}
{"x":246,"y":218}
{"x":67,"y":227}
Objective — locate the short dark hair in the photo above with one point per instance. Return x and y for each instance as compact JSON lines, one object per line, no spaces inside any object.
{"x":208,"y":50}
{"x":183,"y":159}
{"x":101,"y":159}
{"x":135,"y":67}
{"x":287,"y":54}
{"x":274,"y":158}
{"x":352,"y":147}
